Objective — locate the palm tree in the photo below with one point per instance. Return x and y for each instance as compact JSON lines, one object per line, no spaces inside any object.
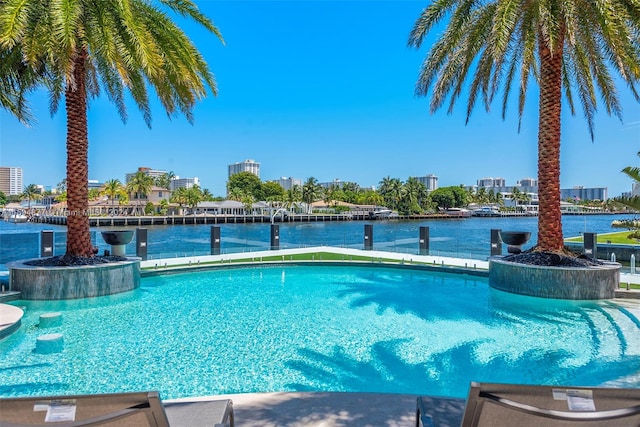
{"x":293,"y":197}
{"x":179,"y":196}
{"x":17,"y":80}
{"x":632,"y":202}
{"x":140,"y":186}
{"x":31,"y":192}
{"x":570,"y":45}
{"x":193,"y":196}
{"x":75,"y":49}
{"x":206,"y":195}
{"x":415,"y":196}
{"x":311,"y":191}
{"x":164,"y":181}
{"x":113,"y":189}
{"x":391,"y":192}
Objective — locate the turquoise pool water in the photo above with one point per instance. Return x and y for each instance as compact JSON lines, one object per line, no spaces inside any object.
{"x":297,"y":328}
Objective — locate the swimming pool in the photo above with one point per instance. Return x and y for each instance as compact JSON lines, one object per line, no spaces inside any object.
{"x":305,"y":328}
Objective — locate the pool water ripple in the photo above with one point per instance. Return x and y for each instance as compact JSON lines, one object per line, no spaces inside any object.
{"x":298,"y":328}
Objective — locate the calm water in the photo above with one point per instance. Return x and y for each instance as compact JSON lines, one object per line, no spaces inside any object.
{"x":466,"y":238}
{"x":318,"y":329}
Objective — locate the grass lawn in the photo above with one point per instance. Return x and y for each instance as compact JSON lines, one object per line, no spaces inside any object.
{"x":619,"y":237}
{"x":314,"y":256}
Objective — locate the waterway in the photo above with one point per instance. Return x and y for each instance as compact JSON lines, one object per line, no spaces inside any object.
{"x":464,"y":238}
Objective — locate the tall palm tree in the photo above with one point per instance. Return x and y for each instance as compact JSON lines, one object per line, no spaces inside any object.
{"x":18,"y":79}
{"x":570,"y":45}
{"x":75,"y":49}
{"x":140,"y":186}
{"x":113,"y":189}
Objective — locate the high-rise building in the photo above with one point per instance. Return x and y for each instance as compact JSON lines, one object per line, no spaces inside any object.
{"x":528,"y":182}
{"x":246,"y":166}
{"x":153,"y":173}
{"x":184,"y":183}
{"x":289,"y":183}
{"x":485,"y":182}
{"x":336,"y":183}
{"x":430,"y":181}
{"x":581,"y":193}
{"x":491,"y":182}
{"x":11,"y":182}
{"x":94,"y":183}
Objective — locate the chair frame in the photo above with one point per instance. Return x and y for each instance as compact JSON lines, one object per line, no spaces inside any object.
{"x":483,"y":393}
{"x":148,"y":403}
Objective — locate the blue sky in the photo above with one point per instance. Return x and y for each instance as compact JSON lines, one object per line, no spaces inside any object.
{"x":322,"y":89}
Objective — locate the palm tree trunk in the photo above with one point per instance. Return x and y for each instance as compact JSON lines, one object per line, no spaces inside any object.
{"x":78,"y":235}
{"x":550,"y":236}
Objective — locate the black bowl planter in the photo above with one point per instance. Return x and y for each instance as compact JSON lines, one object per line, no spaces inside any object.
{"x":118,"y":239}
{"x":515,"y":240}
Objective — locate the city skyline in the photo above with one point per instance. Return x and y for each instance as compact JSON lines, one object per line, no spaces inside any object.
{"x":497,"y":184}
{"x":329,"y":97}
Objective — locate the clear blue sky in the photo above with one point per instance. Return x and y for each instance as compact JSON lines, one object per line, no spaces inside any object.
{"x":321,"y":89}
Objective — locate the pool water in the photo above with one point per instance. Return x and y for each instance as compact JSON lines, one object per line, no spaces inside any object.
{"x":299,"y":328}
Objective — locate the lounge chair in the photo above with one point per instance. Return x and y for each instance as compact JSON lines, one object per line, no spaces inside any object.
{"x":498,"y":405}
{"x":122,"y":410}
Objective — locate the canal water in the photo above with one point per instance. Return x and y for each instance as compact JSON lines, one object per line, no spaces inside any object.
{"x":463,"y":238}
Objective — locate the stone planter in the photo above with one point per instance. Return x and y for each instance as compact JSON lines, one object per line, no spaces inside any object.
{"x":72,"y":282}
{"x":578,"y":283}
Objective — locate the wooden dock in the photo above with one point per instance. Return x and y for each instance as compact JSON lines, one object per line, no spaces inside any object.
{"x":139,"y":221}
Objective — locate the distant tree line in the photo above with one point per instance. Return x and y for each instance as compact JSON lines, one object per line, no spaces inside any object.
{"x":409,"y":197}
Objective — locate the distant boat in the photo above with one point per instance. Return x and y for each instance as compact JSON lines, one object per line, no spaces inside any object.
{"x":17,"y":218}
{"x":381,"y":212}
{"x":458,"y":212}
{"x":486,"y":211}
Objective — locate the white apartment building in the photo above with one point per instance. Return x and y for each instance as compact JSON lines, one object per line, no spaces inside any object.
{"x":337,"y":183}
{"x":289,"y":183}
{"x":528,"y":182}
{"x":248,"y":165}
{"x":582,"y":193}
{"x":430,"y":181}
{"x":187,"y":183}
{"x":11,"y":180}
{"x":491,"y":182}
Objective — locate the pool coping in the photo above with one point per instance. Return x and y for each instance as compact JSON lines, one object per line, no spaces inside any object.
{"x":244,"y":259}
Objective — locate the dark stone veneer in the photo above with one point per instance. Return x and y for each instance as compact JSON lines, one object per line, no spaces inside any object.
{"x":72,"y":282}
{"x":577,"y":283}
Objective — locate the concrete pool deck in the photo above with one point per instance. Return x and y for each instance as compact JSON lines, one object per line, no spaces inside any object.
{"x":320,"y":409}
